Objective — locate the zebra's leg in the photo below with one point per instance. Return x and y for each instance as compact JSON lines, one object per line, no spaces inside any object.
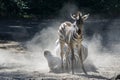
{"x":81,"y":59}
{"x":61,"y":54}
{"x":67,"y":59}
{"x":72,"y":57}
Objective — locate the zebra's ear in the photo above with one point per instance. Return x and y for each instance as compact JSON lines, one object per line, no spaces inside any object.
{"x":73,"y":16}
{"x":76,"y":16}
{"x":85,"y":17}
{"x":79,"y":14}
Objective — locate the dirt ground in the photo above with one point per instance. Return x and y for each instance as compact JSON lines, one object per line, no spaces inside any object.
{"x":9,"y":73}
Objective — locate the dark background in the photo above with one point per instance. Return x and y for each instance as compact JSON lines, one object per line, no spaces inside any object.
{"x":48,"y":8}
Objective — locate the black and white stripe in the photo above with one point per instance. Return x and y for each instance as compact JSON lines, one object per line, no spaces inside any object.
{"x":69,"y":34}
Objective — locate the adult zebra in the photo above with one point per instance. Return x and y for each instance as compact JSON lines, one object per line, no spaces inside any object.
{"x":71,"y":34}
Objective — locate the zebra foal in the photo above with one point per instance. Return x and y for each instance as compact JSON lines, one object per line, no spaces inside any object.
{"x":71,"y":34}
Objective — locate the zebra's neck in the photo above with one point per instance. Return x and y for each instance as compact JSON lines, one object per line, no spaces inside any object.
{"x":78,"y":29}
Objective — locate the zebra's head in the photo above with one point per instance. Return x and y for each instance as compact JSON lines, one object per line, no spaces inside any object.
{"x":79,"y":18}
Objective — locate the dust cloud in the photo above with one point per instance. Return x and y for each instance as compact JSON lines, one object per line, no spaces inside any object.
{"x":34,"y":59}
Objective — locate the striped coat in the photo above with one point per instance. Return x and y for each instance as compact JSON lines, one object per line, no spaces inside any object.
{"x":71,"y":34}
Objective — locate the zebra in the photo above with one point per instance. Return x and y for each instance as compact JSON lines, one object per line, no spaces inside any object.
{"x":71,"y":34}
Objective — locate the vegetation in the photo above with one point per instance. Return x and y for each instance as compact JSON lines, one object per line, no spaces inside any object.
{"x":39,"y":8}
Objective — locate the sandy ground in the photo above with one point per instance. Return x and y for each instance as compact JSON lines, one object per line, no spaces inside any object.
{"x":8,"y":73}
